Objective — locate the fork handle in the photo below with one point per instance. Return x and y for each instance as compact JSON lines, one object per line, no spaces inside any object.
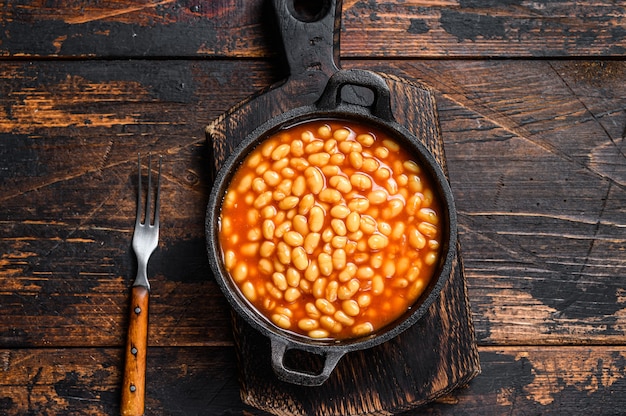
{"x":133,"y":388}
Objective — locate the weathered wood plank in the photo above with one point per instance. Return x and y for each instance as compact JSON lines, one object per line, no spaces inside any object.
{"x":535,"y":155}
{"x":88,"y":381}
{"x":235,"y":28}
{"x":536,"y":161}
{"x":535,"y":151}
{"x":514,"y":380}
{"x":69,"y":137}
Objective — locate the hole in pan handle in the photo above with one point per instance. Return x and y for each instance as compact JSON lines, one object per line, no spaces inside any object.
{"x":308,"y":10}
{"x":290,"y":375}
{"x":309,"y":32}
{"x":331,"y":98}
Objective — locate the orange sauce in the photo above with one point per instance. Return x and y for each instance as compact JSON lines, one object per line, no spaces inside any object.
{"x":358,"y":266}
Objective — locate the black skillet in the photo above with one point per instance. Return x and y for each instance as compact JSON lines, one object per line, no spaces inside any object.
{"x":330,"y":105}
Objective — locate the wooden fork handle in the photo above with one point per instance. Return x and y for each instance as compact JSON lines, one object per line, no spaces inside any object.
{"x":134,"y":385}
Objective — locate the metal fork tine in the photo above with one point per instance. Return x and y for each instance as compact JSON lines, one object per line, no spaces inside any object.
{"x":138,"y":216}
{"x":149,"y":191}
{"x":158,"y":192}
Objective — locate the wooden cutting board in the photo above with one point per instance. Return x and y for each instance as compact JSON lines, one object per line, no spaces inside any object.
{"x":430,"y":359}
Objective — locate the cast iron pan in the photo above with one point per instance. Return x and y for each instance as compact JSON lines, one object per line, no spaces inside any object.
{"x":331,"y":105}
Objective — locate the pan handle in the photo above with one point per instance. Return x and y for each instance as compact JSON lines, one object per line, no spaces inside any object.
{"x":280,"y":348}
{"x":310,"y":35}
{"x":331,"y":98}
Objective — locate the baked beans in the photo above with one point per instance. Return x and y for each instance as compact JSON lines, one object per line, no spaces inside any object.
{"x":330,"y":229}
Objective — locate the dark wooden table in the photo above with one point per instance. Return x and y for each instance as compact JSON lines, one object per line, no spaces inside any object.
{"x":532,"y":105}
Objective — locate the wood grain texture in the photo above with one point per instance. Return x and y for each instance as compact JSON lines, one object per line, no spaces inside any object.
{"x":68,"y":198}
{"x":373,"y":29}
{"x":203,"y":380}
{"x":134,"y":380}
{"x":542,"y":231}
{"x":535,"y":151}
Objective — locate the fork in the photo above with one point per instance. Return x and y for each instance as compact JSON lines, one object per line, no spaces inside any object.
{"x":145,"y":241}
